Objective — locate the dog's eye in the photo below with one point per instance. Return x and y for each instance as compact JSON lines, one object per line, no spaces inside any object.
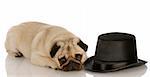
{"x":62,"y":60}
{"x":78,"y":57}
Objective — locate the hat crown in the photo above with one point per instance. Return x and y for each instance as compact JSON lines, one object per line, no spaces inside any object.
{"x":116,"y":47}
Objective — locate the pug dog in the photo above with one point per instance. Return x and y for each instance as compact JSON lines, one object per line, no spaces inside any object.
{"x":46,"y":45}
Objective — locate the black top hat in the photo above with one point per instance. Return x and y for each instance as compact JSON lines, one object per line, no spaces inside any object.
{"x":114,"y":51}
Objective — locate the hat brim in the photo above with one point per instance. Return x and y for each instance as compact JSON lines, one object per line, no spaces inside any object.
{"x":89,"y":65}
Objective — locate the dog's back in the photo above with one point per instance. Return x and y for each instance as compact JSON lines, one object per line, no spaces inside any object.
{"x":19,"y":38}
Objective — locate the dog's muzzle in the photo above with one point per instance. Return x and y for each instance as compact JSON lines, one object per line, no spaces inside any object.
{"x":72,"y":65}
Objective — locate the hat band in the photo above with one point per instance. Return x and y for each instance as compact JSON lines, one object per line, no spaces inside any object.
{"x":109,"y":65}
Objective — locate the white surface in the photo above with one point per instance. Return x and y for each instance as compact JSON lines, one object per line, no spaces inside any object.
{"x":85,"y":18}
{"x":23,"y":68}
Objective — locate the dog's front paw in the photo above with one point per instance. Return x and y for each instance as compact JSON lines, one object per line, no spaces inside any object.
{"x":49,"y":67}
{"x":56,"y":68}
{"x":53,"y":68}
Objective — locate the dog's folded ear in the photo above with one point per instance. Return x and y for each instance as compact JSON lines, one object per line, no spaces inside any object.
{"x":54,"y":50}
{"x":83,"y":45}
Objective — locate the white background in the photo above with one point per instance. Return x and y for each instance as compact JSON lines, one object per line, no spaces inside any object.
{"x":86,"y":19}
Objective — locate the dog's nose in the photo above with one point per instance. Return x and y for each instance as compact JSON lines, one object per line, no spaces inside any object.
{"x":72,"y":66}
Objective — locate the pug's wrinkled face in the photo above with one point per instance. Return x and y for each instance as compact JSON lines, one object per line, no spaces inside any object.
{"x":69,"y":54}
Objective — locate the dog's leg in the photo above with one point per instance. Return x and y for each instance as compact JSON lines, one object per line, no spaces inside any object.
{"x":40,"y":60}
{"x":11,"y":46}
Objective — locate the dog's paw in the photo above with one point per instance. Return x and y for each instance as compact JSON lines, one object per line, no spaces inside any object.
{"x":53,"y":68}
{"x":18,"y":54}
{"x":57,"y":69}
{"x":49,"y":67}
{"x":14,"y":53}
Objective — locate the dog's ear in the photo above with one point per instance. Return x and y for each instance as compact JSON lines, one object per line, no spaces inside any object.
{"x":83,"y":45}
{"x":54,"y":50}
